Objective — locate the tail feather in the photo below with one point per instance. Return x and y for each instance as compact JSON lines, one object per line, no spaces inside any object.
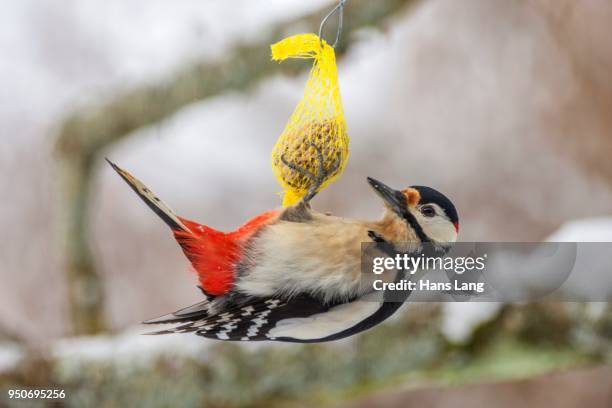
{"x":151,"y":200}
{"x":193,"y":312}
{"x":212,"y":253}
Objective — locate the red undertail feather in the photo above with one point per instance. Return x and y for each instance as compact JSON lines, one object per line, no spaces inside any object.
{"x":214,"y":253}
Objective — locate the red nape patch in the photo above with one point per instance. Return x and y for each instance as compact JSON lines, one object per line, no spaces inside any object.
{"x":456,"y":224}
{"x":214,"y":254}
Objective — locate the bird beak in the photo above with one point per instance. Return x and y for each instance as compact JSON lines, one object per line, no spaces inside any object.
{"x":394,"y":198}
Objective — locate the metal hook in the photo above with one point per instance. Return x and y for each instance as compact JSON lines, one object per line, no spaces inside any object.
{"x":340,"y":9}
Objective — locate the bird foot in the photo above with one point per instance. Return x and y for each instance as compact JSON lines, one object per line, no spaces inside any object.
{"x":316,"y":180}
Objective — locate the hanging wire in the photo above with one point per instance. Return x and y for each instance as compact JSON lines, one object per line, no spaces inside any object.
{"x":340,"y":9}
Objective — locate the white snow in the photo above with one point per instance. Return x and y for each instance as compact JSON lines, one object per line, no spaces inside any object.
{"x":129,"y":347}
{"x":591,"y":277}
{"x":461,"y":318}
{"x":10,"y":355}
{"x":584,"y":230}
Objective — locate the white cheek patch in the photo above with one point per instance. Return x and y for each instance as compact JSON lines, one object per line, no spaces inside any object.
{"x":442,"y":231}
{"x":321,"y":325}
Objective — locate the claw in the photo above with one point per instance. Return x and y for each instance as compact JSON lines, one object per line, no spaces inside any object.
{"x":336,"y":165}
{"x":321,"y":160}
{"x":298,"y":169}
{"x":316,"y":180}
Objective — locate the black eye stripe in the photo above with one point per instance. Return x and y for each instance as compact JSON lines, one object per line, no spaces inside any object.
{"x":409,"y":217}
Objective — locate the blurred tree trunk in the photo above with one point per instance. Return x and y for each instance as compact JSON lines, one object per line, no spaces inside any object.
{"x":85,"y":292}
{"x":84,"y":134}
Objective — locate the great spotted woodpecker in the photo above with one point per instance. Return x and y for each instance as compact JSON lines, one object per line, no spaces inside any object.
{"x":294,"y":274}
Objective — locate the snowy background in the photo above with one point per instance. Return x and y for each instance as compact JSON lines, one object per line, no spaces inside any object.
{"x":493,"y":102}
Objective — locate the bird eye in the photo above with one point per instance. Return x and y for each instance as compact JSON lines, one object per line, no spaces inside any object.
{"x":428,"y":211}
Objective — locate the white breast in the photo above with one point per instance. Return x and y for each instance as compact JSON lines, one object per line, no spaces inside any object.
{"x":322,"y":257}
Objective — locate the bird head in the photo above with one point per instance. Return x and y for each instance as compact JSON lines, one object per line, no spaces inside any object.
{"x":427,"y":212}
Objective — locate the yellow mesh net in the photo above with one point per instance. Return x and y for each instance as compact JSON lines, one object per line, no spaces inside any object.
{"x":316,"y":122}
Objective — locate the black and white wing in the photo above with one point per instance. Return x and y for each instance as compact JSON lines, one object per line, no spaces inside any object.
{"x":301,"y":319}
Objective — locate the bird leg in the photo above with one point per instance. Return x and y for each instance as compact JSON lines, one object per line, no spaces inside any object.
{"x":300,"y":212}
{"x":316,"y":180}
